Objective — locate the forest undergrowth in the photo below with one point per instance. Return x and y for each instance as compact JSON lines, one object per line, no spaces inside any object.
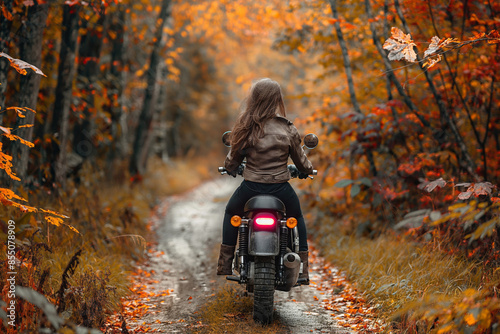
{"x":85,"y":274}
{"x":437,"y":277}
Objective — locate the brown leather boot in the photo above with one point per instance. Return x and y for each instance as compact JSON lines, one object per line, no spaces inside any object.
{"x":225,"y":263}
{"x":304,"y":275}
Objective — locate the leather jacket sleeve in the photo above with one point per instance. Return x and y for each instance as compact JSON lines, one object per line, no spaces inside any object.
{"x":297,"y":153}
{"x":233,"y":160}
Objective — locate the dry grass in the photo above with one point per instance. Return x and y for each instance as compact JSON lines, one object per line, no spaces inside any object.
{"x":175,"y":177}
{"x":230,"y":311}
{"x":393,"y":271}
{"x":111,"y":215}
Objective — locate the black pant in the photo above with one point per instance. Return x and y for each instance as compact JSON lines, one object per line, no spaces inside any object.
{"x":247,"y":190}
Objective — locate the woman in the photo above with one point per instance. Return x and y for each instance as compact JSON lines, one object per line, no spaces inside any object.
{"x":266,"y":139}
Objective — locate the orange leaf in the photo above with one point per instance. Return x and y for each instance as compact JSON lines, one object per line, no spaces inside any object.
{"x":22,"y":141}
{"x":431,"y":61}
{"x":400,"y":45}
{"x":7,"y":14}
{"x":21,"y":65}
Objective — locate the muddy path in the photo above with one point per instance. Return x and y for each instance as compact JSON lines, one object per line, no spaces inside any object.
{"x":181,"y":270}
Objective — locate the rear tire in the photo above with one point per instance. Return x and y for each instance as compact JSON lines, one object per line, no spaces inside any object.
{"x":263,"y":300}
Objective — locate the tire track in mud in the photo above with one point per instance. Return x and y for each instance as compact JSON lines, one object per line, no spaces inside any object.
{"x":179,"y":277}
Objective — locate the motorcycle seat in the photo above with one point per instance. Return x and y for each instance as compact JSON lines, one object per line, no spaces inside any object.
{"x":265,"y":202}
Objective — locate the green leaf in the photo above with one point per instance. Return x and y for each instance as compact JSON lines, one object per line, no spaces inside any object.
{"x":435,"y":215}
{"x":366,"y":181}
{"x":356,"y":188}
{"x":3,"y":315}
{"x":385,"y":287}
{"x":343,"y":183}
{"x":485,"y":229}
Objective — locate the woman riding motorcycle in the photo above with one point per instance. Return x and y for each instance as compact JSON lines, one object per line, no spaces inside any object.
{"x":266,"y":139}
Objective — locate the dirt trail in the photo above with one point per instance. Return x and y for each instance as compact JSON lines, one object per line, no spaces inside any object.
{"x":181,"y":272}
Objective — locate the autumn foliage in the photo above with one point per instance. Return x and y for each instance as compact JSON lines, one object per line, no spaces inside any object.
{"x":410,"y":141}
{"x":403,"y":95}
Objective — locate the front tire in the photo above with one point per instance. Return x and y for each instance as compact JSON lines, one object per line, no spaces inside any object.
{"x":263,"y":300}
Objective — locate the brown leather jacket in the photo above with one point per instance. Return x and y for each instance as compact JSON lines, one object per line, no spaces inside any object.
{"x":267,"y":161}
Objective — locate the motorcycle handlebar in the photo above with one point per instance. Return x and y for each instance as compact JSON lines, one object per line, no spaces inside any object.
{"x":223,"y":170}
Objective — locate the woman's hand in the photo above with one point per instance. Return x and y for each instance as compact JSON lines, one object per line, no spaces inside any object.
{"x":294,"y":172}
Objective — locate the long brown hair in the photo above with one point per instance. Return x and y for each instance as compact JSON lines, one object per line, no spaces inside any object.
{"x":263,"y":102}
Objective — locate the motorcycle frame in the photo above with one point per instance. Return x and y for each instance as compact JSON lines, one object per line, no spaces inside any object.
{"x":246,"y":256}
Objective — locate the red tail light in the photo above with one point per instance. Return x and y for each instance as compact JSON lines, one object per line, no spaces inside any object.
{"x":265,"y":220}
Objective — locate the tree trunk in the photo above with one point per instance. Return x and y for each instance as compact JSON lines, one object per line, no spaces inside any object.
{"x":5,"y":40}
{"x":5,"y":25}
{"x":116,"y":84}
{"x":88,"y":71}
{"x":31,"y":38}
{"x":64,"y":89}
{"x":350,"y":82}
{"x":345,"y":56}
{"x":137,"y":165}
{"x":173,"y":135}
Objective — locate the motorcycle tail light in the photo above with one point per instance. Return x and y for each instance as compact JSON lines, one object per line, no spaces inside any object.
{"x":265,"y":220}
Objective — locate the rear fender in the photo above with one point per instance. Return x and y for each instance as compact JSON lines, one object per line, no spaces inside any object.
{"x":263,"y":243}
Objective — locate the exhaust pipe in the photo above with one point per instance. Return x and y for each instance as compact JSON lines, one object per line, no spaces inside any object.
{"x":292,"y":260}
{"x":292,"y":269}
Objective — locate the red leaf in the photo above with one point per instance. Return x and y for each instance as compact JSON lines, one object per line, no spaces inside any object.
{"x":430,"y":186}
{"x":483,"y":188}
{"x":465,"y":195}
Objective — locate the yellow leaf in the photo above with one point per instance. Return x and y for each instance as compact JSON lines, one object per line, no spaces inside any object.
{"x":469,"y":319}
{"x":457,"y":206}
{"x":9,"y":194}
{"x":485,"y":318}
{"x":445,"y":329}
{"x":72,"y":228}
{"x":54,"y":220}
{"x":54,"y":213}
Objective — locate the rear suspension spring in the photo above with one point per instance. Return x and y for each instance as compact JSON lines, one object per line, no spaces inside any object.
{"x":283,"y":239}
{"x":243,"y":239}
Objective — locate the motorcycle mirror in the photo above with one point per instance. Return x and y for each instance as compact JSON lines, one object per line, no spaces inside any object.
{"x":311,"y":141}
{"x":225,"y":138}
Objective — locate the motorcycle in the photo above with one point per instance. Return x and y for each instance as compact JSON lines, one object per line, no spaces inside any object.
{"x":268,"y":242}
